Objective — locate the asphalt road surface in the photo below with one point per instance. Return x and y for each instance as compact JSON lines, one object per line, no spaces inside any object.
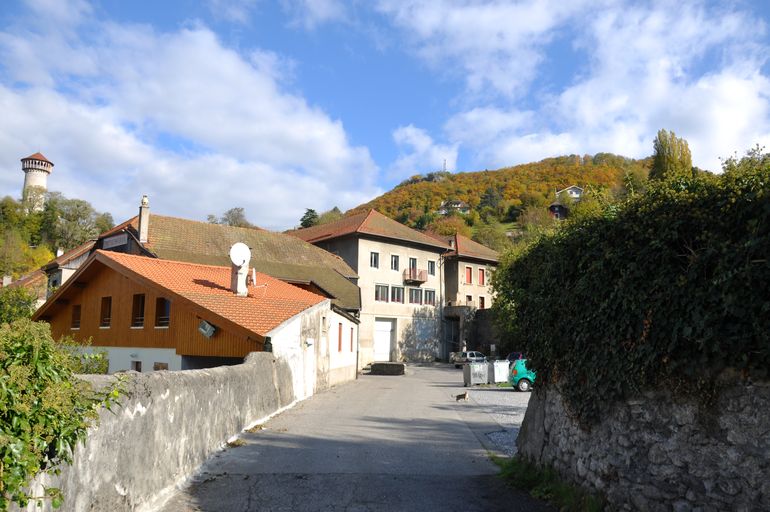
{"x":381,"y":443}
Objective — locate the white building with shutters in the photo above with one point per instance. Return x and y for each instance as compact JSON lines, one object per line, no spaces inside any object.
{"x":403,"y":281}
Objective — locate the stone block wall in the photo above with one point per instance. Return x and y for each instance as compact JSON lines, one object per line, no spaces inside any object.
{"x":655,"y":453}
{"x":168,"y":424}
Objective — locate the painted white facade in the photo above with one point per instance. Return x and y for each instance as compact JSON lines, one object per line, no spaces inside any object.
{"x":309,"y":343}
{"x":401,"y":314}
{"x":342,"y":342}
{"x":125,"y":358}
{"x":290,"y":346}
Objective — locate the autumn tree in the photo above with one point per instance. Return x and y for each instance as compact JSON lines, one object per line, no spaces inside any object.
{"x":492,"y":236}
{"x":672,"y":157}
{"x":449,"y":226}
{"x":330,"y":216}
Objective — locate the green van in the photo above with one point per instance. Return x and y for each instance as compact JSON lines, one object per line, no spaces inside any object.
{"x":519,"y":376}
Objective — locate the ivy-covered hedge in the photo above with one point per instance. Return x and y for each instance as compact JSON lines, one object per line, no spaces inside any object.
{"x":667,"y":289}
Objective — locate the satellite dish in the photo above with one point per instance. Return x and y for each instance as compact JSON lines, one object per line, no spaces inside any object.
{"x":240,"y":254}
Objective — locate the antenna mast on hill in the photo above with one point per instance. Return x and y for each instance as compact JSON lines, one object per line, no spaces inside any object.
{"x":445,"y":165}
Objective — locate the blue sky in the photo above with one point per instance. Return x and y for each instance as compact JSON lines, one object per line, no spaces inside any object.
{"x":278,"y":106}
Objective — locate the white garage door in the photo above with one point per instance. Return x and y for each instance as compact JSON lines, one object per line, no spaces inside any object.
{"x":383,"y":333}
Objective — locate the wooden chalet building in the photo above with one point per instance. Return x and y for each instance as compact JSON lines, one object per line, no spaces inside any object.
{"x":154,"y":314}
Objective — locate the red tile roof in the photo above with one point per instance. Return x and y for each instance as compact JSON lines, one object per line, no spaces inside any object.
{"x":269,"y":303}
{"x":366,"y":223}
{"x":37,"y":156}
{"x":464,"y":247}
{"x":276,"y":254}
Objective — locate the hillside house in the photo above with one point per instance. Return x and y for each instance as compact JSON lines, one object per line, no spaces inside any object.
{"x":155,"y":314}
{"x":559,"y":208}
{"x":453,"y":206}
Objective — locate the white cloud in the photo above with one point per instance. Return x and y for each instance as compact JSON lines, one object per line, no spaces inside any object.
{"x":236,"y":11}
{"x":696,"y":69}
{"x":497,"y":46}
{"x":198,"y":126}
{"x":419,"y":153}
{"x":311,"y":13}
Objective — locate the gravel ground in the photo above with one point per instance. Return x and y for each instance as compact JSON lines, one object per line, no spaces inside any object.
{"x":507,"y":407}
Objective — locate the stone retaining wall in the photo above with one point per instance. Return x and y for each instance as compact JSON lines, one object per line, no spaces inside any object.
{"x":168,"y":424}
{"x":654,"y":453}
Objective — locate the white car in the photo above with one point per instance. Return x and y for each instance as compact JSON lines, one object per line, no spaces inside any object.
{"x":460,"y":358}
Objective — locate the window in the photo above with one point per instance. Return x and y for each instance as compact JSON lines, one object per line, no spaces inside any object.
{"x":394,"y":262}
{"x":159,"y":366}
{"x":469,"y":300}
{"x":481,"y":302}
{"x":381,"y":292}
{"x":339,"y":337}
{"x":75,"y":317}
{"x":374,"y":259}
{"x":468,"y":275}
{"x":136,"y":366}
{"x":105,"y":312}
{"x":397,"y":294}
{"x":432,"y":268}
{"x":137,"y":311}
{"x":481,"y":277}
{"x":430,"y":297}
{"x":415,"y":296}
{"x":351,"y":339}
{"x":412,"y":263}
{"x":162,"y":312}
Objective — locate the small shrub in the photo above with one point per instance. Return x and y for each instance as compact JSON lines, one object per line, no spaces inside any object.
{"x":44,"y":410}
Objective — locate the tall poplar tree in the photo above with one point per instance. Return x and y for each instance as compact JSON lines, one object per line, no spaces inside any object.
{"x":672,"y":157}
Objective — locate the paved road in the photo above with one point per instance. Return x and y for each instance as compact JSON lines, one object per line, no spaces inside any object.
{"x":381,"y":443}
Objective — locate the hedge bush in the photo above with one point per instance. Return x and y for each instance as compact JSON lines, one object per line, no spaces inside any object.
{"x":667,"y":289}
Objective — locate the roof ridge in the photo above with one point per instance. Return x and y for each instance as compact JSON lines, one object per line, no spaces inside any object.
{"x":110,"y":255}
{"x":206,"y":223}
{"x":368,"y":216}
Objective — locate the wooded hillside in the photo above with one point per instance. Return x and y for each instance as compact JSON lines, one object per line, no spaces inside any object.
{"x":506,"y":192}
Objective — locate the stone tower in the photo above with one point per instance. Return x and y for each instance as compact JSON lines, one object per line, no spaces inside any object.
{"x":36,"y":170}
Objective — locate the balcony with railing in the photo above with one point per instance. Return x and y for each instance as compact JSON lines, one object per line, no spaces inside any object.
{"x":415,"y":276}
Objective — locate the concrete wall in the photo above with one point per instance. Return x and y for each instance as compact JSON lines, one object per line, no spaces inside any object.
{"x":659,"y":454}
{"x":169,"y":423}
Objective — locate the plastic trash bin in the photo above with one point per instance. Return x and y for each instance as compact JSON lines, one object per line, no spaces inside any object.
{"x":498,"y":371}
{"x":475,"y":373}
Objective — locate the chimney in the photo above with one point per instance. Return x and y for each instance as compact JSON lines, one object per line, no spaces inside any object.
{"x":59,"y":252}
{"x":240,"y":255}
{"x":7,"y":280}
{"x":452,"y":242}
{"x":144,"y":219}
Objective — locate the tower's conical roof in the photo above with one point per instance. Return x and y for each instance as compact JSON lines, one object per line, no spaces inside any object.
{"x":37,"y":156}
